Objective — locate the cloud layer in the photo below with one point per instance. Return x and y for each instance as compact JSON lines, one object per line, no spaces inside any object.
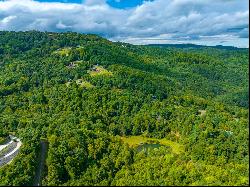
{"x":159,"y":21}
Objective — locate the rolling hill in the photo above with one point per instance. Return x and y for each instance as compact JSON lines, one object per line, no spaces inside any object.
{"x":95,"y":102}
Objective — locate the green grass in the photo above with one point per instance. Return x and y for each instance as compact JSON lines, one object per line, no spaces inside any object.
{"x":63,"y":51}
{"x":134,"y":141}
{"x":99,"y":70}
{"x":84,"y":84}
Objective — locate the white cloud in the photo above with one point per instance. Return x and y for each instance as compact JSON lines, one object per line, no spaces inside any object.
{"x":94,"y":2}
{"x":7,"y":19}
{"x":159,"y":20}
{"x":60,"y":25}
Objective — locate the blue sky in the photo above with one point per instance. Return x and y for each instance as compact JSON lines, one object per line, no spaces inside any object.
{"x":204,"y":22}
{"x":114,"y":3}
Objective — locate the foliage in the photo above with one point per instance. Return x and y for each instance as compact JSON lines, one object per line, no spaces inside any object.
{"x":194,"y":100}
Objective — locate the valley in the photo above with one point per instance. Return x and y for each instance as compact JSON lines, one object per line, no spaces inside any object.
{"x":87,"y":111}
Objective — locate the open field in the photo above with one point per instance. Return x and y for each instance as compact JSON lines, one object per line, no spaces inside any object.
{"x":99,"y":70}
{"x":135,"y":141}
{"x":63,"y":51}
{"x":84,"y":84}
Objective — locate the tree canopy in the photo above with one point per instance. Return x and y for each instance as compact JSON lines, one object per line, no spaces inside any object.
{"x":85,"y":95}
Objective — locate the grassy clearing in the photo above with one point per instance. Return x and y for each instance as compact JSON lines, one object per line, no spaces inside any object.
{"x":63,"y":51}
{"x":99,"y":70}
{"x":84,"y":84}
{"x":134,"y":141}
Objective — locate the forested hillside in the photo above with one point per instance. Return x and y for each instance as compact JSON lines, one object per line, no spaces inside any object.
{"x":119,"y":114}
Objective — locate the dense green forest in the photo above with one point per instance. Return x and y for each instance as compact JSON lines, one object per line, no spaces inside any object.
{"x":92,"y":99}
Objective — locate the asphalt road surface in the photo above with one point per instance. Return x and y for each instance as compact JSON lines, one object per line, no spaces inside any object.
{"x":42,"y":158}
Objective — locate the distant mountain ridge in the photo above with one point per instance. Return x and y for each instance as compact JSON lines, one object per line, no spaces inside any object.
{"x":196,"y":46}
{"x":115,"y":114}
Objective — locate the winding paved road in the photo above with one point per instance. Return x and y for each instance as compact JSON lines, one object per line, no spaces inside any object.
{"x":9,"y":150}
